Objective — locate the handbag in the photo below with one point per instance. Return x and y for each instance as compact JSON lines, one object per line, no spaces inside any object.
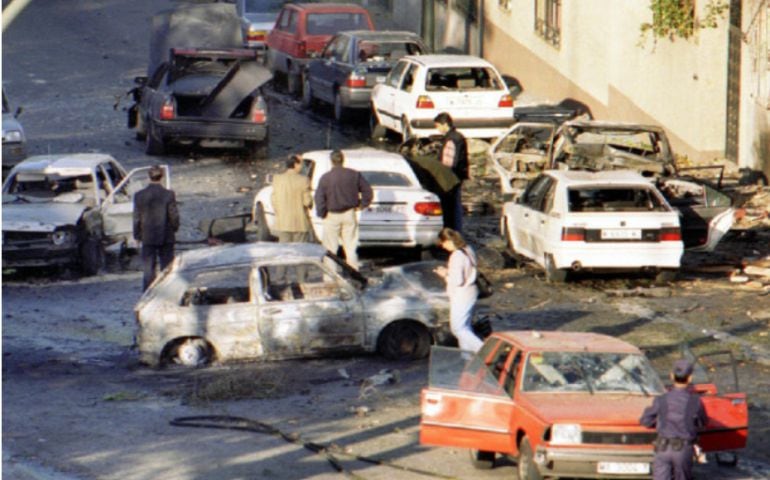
{"x":482,"y":283}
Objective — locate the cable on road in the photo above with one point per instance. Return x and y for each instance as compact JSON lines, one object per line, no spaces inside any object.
{"x":331,"y":453}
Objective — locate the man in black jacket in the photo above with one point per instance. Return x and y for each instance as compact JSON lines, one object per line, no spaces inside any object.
{"x":453,"y":154}
{"x":156,"y":220}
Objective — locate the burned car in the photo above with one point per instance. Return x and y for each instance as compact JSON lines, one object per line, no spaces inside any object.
{"x":565,"y":404}
{"x":202,"y":88}
{"x":65,"y":209}
{"x":273,"y":301}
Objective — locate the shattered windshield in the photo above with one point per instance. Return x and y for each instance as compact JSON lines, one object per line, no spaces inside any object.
{"x":590,"y":372}
{"x":40,"y":187}
{"x":456,"y":369}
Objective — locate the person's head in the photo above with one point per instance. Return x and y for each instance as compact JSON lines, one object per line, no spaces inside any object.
{"x":681,"y":373}
{"x":294,"y":162}
{"x":443,"y":122}
{"x":337,"y":157}
{"x":451,"y":240}
{"x":155,"y":173}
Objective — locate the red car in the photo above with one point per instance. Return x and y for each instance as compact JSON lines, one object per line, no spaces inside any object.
{"x":566,"y":404}
{"x":303,"y":30}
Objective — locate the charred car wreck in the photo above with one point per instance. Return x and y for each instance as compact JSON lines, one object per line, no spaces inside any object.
{"x":207,"y":95}
{"x":273,"y":301}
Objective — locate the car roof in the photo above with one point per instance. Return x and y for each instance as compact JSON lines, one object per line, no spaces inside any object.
{"x":579,"y":178}
{"x":382,"y":34}
{"x":611,"y":125}
{"x":365,"y":159}
{"x":328,"y":7}
{"x":532,"y":340}
{"x":244,"y":253}
{"x":449,"y":60}
{"x":65,"y":161}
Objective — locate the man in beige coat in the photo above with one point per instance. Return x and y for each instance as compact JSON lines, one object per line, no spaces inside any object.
{"x":291,"y":199}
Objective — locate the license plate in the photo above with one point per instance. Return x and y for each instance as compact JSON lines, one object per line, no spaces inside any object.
{"x":386,"y":209}
{"x":620,"y":468}
{"x":621,"y":234}
{"x":380,"y":79}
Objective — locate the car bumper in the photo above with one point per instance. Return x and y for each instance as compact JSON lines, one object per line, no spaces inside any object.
{"x":584,"y":463}
{"x":481,"y":127}
{"x":399,"y":235}
{"x":15,"y":257}
{"x":356,"y":97}
{"x":13,"y":153}
{"x":610,"y":256}
{"x":211,"y":129}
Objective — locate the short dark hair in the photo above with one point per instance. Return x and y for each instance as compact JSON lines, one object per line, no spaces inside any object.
{"x":155,"y":173}
{"x":453,"y":235}
{"x":337,"y":157}
{"x":293,"y":160}
{"x":445,"y":119}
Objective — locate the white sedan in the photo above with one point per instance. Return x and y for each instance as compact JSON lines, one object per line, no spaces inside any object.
{"x":402,"y":213}
{"x":420,"y":87}
{"x":602,"y":221}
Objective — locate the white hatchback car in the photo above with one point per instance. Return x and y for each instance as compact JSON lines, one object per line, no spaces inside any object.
{"x":402,"y":213}
{"x":602,"y":221}
{"x":420,"y":87}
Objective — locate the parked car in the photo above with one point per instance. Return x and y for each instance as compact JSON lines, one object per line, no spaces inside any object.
{"x":64,"y":209}
{"x":352,"y":64}
{"x":402,"y":213}
{"x":200,"y":91}
{"x":303,"y":30}
{"x":596,"y":221}
{"x":257,"y":19}
{"x":14,"y":140}
{"x":420,"y":87}
{"x":283,"y":300}
{"x":566,"y":404}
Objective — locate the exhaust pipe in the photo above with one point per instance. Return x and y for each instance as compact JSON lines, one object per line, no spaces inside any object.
{"x":576,"y":266}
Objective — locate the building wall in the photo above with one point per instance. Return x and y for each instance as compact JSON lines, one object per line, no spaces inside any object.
{"x":754,"y":150}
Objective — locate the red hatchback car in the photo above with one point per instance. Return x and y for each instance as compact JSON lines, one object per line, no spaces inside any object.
{"x":567,"y":404}
{"x":302,"y":30}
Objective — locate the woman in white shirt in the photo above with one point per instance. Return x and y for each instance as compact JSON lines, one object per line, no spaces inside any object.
{"x":460,"y":275}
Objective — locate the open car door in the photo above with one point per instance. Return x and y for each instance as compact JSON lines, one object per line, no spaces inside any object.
{"x":464,"y":405}
{"x":118,"y":207}
{"x":520,"y":154}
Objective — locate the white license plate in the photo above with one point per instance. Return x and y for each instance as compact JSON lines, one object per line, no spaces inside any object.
{"x":620,"y":468}
{"x":380,"y":79}
{"x":387,"y":209}
{"x":621,"y":234}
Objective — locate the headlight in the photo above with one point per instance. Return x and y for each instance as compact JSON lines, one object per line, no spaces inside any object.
{"x":13,"y":136}
{"x":566,"y":434}
{"x":63,"y":237}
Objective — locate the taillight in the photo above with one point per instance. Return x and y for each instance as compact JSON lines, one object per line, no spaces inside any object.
{"x":424,"y":101}
{"x":670,"y":234}
{"x":302,"y":49}
{"x":259,"y":110}
{"x":355,"y":81}
{"x":256,"y":35}
{"x":168,"y":110}
{"x":431,"y":209}
{"x":505,"y":101}
{"x":573,"y":234}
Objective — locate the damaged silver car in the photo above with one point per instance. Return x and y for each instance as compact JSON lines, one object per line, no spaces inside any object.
{"x":274,"y":301}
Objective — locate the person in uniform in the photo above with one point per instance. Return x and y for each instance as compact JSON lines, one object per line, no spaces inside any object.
{"x":677,"y":416}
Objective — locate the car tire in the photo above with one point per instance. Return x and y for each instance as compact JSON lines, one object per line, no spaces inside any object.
{"x":263,"y":230}
{"x":340,"y":112}
{"x":553,"y":274}
{"x":193,"y":352}
{"x":308,"y":102}
{"x":404,"y":340}
{"x":92,"y":256}
{"x":152,"y":144}
{"x":526,"y":467}
{"x":377,"y":131}
{"x":406,"y":130}
{"x":482,"y":460}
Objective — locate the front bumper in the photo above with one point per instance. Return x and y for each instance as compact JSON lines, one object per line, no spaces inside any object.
{"x":38,"y":256}
{"x":584,"y":462}
{"x":210,"y":129}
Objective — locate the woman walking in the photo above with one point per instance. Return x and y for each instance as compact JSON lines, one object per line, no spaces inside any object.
{"x":460,"y":275}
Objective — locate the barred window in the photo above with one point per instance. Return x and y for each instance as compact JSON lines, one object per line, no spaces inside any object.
{"x":548,"y":20}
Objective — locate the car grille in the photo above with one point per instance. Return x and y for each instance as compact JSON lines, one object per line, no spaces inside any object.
{"x":619,"y":438}
{"x":25,"y":238}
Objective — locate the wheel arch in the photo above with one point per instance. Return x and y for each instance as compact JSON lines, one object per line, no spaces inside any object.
{"x":388,"y":326}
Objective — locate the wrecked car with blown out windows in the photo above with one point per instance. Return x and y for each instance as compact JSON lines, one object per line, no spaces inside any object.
{"x":276,"y":300}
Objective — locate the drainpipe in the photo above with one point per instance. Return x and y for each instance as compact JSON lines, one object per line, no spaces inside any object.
{"x":428,"y":23}
{"x":481,"y":28}
{"x":13,"y":9}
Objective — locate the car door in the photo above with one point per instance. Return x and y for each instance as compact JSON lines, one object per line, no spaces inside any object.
{"x":307,"y":309}
{"x":118,"y":208}
{"x":546,"y":222}
{"x":465,"y":404}
{"x":384,"y":95}
{"x":405,"y":96}
{"x":327,"y":71}
{"x":525,"y":218}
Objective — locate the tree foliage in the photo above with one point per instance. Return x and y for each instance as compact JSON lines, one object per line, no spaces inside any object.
{"x":677,"y":18}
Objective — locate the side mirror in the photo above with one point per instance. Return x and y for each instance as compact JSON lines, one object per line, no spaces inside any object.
{"x":141,"y":81}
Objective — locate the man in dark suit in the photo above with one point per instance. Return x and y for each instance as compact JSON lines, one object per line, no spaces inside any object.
{"x":156,"y":220}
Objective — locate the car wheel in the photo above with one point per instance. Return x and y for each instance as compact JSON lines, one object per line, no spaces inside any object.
{"x":92,"y":256}
{"x":340,"y":112}
{"x":377,"y":131}
{"x":406,"y":130}
{"x":482,"y":460}
{"x":527,"y":469}
{"x":263,"y":230}
{"x":153,"y":145}
{"x":307,"y":95}
{"x":404,"y":340}
{"x":193,"y":352}
{"x":553,"y":274}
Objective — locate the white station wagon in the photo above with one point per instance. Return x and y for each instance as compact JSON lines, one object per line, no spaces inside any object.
{"x":603,"y":221}
{"x":402,"y":213}
{"x":420,"y":87}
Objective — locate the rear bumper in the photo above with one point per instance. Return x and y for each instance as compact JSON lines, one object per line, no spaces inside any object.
{"x":393,"y":235}
{"x":215,"y":129}
{"x":608,"y":255}
{"x":356,"y":97}
{"x":583,"y":463}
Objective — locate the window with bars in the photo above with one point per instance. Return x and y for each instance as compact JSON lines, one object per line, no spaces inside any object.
{"x":548,"y":20}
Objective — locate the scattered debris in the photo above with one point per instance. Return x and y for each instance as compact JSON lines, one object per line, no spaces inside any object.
{"x":360,"y":411}
{"x":343,"y":373}
{"x":654,"y":292}
{"x":385,"y":376}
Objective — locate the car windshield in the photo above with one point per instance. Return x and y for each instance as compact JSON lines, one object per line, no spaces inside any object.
{"x":636,"y":142}
{"x":263,"y":6}
{"x":614,"y":199}
{"x":386,"y":179}
{"x":590,"y":372}
{"x":39,"y":187}
{"x":369,"y":51}
{"x":462,"y":78}
{"x":331,"y":23}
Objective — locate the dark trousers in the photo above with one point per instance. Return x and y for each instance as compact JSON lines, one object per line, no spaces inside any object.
{"x":671,"y":464}
{"x":452,"y":209}
{"x":151,"y":256}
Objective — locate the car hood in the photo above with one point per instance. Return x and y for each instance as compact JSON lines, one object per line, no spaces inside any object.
{"x":587,"y":409}
{"x":407,"y":283}
{"x":40,"y":217}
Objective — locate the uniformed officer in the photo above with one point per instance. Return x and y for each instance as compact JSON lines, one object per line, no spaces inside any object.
{"x":677,"y":416}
